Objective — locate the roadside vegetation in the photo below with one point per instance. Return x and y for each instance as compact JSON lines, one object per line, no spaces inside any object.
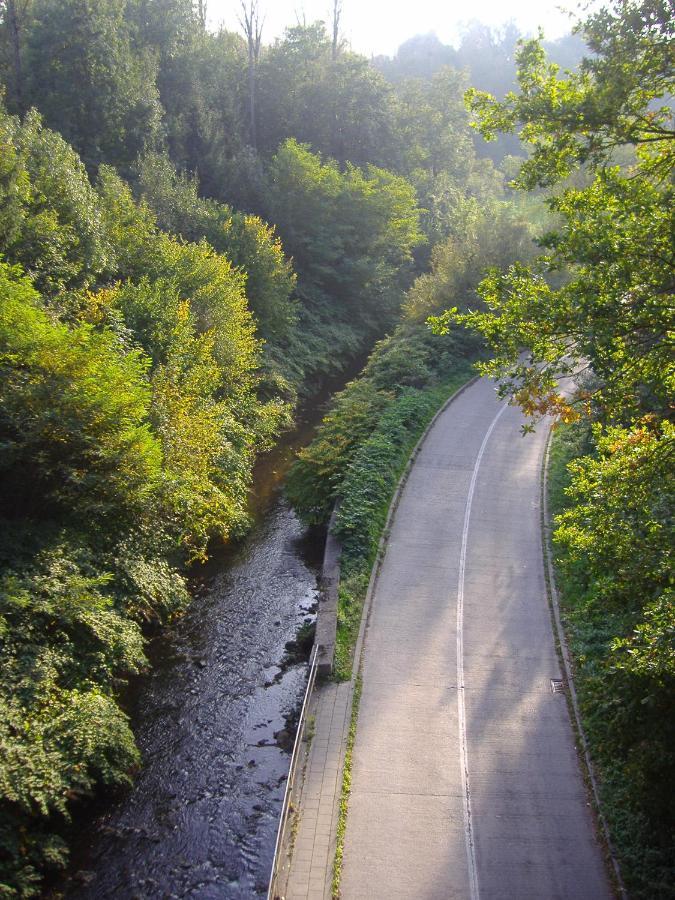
{"x":599,"y":302}
{"x":345,"y":790}
{"x":625,"y":698}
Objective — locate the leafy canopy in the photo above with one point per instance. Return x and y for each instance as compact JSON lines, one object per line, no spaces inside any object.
{"x":602,"y":293}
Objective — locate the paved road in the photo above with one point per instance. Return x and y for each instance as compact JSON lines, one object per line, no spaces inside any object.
{"x":465,"y":778}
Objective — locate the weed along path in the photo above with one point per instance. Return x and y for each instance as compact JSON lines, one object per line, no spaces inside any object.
{"x":465,"y":780}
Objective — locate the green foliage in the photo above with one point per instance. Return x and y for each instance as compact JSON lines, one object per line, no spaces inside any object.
{"x":410,"y":358}
{"x":247,"y":241}
{"x":253,"y":246}
{"x":619,"y":521}
{"x":314,"y":481}
{"x":614,"y":309}
{"x":51,"y":222}
{"x":350,"y":233}
{"x":614,"y":241}
{"x":613,"y":99}
{"x":434,"y":125}
{"x":494,"y":236}
{"x":351,"y":596}
{"x":486,"y":54}
{"x":201,"y":79}
{"x":206,"y":450}
{"x":84,"y":479}
{"x":73,"y":420}
{"x":91,"y":80}
{"x":305,"y":90}
{"x":77,"y":738}
{"x":340,"y":105}
{"x":439,"y":158}
{"x":613,"y":539}
{"x":65,"y":648}
{"x":375,"y":467}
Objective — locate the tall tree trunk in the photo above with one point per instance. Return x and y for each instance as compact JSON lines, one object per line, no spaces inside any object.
{"x":252,"y":26}
{"x":201,"y":12}
{"x":253,"y":130}
{"x":337,"y":14}
{"x":337,"y":143}
{"x":14,"y":30}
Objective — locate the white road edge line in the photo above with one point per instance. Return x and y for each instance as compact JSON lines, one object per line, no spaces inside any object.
{"x":463,"y":749}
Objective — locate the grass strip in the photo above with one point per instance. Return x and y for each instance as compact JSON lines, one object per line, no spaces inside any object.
{"x":346,"y":789}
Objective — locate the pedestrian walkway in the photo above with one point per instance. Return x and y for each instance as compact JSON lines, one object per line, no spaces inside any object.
{"x":311,"y":869}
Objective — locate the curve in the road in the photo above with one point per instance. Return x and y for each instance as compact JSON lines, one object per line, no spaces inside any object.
{"x":465,"y":779}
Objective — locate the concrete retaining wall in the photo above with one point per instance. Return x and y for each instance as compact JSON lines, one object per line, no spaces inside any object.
{"x":326,"y":617}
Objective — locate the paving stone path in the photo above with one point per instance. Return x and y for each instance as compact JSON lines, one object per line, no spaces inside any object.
{"x":311,"y":872}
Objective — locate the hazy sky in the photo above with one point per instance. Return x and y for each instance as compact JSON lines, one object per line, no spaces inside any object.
{"x":379,"y":26}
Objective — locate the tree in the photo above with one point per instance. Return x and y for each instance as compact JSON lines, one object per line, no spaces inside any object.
{"x":611,"y":315}
{"x":91,"y":81}
{"x":341,"y":107}
{"x":619,"y":96}
{"x":351,"y":233}
{"x":129,"y":424}
{"x":491,"y":236}
{"x":418,"y":57}
{"x":15,"y":16}
{"x":490,"y":56}
{"x":434,"y":126}
{"x":337,"y":16}
{"x":51,"y":223}
{"x":201,"y":12}
{"x":252,"y":26}
{"x":245,"y":240}
{"x":75,"y":432}
{"x":615,"y":309}
{"x":201,"y":78}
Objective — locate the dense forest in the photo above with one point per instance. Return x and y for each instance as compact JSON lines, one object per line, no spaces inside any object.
{"x":197,"y":228}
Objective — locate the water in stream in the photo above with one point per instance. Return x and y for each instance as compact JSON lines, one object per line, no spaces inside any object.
{"x":202,"y":816}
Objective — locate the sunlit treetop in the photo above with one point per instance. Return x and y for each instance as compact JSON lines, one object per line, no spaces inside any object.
{"x":600,"y":298}
{"x":621,"y":95}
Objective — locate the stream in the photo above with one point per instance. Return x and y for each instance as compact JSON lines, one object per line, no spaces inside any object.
{"x":215,"y":718}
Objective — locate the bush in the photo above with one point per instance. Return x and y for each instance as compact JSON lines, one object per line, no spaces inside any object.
{"x":74,"y":426}
{"x":410,"y":358}
{"x":613,"y":544}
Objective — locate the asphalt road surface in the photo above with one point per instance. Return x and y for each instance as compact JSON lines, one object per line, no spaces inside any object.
{"x":465,"y":777}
